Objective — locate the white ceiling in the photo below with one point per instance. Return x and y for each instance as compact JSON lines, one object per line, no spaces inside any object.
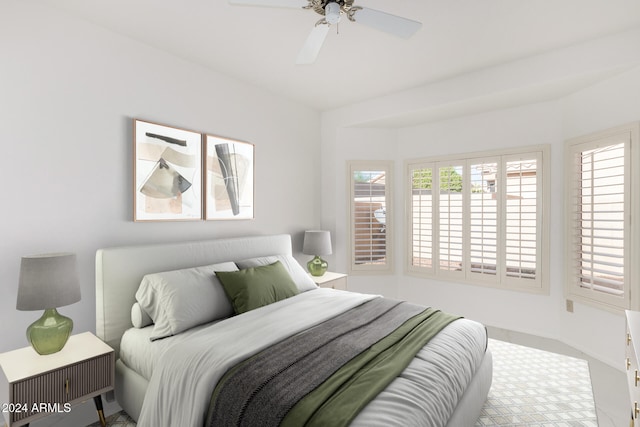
{"x":259,"y":45}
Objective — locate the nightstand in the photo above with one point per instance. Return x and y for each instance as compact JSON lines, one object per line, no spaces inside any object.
{"x":33,"y":386}
{"x":331,"y":280}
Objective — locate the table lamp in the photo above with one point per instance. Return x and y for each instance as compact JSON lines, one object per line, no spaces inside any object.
{"x":46,"y":282}
{"x":317,"y":243}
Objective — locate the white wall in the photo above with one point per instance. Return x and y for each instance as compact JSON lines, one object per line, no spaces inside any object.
{"x":541,"y":100}
{"x":68,"y":93}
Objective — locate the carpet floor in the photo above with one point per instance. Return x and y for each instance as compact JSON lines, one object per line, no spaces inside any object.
{"x":531,"y":387}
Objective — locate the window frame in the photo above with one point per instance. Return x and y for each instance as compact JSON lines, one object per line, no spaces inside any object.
{"x":540,"y":284}
{"x":370,"y":165}
{"x":629,"y":299}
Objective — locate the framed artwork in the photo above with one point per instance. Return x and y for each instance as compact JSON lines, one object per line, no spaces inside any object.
{"x":167,"y":173}
{"x":228,"y":178}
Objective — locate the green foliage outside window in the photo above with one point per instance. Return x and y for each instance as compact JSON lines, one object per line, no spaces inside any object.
{"x":450,"y":180}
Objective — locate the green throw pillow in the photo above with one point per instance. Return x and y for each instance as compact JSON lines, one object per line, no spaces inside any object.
{"x":255,"y":287}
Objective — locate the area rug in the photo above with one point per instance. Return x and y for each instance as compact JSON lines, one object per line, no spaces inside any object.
{"x":120,"y":419}
{"x":530,"y":388}
{"x":537,"y":388}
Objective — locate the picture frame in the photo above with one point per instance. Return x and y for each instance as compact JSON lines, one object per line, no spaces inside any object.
{"x":228,"y":178}
{"x":167,"y":164}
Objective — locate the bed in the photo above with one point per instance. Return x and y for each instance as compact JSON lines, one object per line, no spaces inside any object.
{"x":166,"y":374}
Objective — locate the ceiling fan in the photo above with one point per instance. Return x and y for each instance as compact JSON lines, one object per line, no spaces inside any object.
{"x":332,"y":11}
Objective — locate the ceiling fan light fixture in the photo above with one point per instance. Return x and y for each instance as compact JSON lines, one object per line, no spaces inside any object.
{"x":332,"y":13}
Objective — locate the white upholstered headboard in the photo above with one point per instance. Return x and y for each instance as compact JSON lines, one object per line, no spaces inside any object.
{"x":119,"y":271}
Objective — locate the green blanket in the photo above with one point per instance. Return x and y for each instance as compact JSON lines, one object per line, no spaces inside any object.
{"x":327,"y":374}
{"x":339,"y":399}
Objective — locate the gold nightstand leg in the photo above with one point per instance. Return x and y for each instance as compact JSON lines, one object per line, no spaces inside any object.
{"x":98,"y":401}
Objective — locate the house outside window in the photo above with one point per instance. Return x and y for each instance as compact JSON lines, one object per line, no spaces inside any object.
{"x":370,"y":225}
{"x":480,"y":218}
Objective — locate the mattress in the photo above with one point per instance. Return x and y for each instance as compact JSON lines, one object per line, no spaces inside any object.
{"x":432,"y":384}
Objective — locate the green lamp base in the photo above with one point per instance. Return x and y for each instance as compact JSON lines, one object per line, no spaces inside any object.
{"x":49,"y":333}
{"x":317,"y":266}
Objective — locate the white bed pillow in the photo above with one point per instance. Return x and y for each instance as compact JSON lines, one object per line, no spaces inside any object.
{"x":139,"y":318}
{"x":303,"y":281}
{"x":181,"y":299}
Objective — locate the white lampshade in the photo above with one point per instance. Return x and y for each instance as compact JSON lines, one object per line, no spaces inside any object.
{"x":48,"y":281}
{"x":317,"y":242}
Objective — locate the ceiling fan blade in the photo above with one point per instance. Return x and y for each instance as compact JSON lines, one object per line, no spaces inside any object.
{"x":312,"y":45}
{"x":294,"y":4}
{"x":392,"y":24}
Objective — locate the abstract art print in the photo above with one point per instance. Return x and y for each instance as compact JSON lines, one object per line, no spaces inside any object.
{"x":167,"y":173}
{"x":228,"y":178}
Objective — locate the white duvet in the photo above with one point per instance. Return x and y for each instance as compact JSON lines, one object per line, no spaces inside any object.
{"x":185,"y":375}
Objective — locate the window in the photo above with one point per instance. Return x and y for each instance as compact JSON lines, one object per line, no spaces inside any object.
{"x":370,"y":216}
{"x":480,"y":218}
{"x":599,"y":217}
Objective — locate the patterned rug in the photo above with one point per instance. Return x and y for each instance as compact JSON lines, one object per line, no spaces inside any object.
{"x":120,"y":419}
{"x":537,"y":388}
{"x":530,"y":388}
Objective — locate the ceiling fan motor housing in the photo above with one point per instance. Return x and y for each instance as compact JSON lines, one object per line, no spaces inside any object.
{"x":320,"y":5}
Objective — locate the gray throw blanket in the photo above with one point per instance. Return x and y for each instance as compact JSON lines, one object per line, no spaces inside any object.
{"x":261,"y":390}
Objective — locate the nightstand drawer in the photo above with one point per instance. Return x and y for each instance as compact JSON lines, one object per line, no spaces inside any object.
{"x":69,"y":384}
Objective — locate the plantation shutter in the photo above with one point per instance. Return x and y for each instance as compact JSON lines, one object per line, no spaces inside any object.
{"x":421,"y":202}
{"x":522,"y":204}
{"x":450,"y":218}
{"x":480,"y":219}
{"x":483,"y":227}
{"x":369,"y":209}
{"x":599,"y":205}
